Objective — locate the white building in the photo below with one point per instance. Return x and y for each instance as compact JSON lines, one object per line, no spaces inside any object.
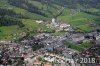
{"x":49,"y":59}
{"x":39,"y":21}
{"x":64,"y":25}
{"x":53,"y":20}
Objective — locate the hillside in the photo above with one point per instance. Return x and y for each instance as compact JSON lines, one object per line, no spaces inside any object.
{"x":46,"y":8}
{"x":18,"y":16}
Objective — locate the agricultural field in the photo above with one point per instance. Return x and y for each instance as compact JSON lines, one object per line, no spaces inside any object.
{"x":7,"y":31}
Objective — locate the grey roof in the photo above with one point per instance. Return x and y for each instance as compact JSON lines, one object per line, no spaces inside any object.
{"x":76,"y":35}
{"x":97,"y":43}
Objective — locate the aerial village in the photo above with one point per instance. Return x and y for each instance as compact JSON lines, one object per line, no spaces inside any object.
{"x":47,"y":50}
{"x":56,"y":24}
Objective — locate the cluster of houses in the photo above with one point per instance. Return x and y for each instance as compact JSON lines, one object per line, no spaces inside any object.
{"x":59,"y":26}
{"x":56,"y":24}
{"x":51,"y":60}
{"x":83,"y":37}
{"x":13,"y":53}
{"x":25,"y":50}
{"x":93,"y":54}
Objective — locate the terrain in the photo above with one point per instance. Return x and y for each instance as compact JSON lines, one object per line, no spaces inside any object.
{"x":17,"y":17}
{"x":55,"y":32}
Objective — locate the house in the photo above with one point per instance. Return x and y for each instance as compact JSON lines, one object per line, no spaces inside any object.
{"x":49,"y":59}
{"x":97,"y":43}
{"x":97,"y":36}
{"x":64,"y":25}
{"x":77,"y":37}
{"x":37,"y":63}
{"x":93,"y":36}
{"x":39,"y":21}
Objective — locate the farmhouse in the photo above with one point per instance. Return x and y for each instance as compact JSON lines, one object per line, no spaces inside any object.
{"x":39,"y":21}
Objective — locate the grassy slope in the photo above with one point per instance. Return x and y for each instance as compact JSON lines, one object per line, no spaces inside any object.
{"x":80,"y":19}
{"x":7,"y":31}
{"x":32,"y":25}
{"x":44,"y":8}
{"x":28,"y":14}
{"x":76,"y":18}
